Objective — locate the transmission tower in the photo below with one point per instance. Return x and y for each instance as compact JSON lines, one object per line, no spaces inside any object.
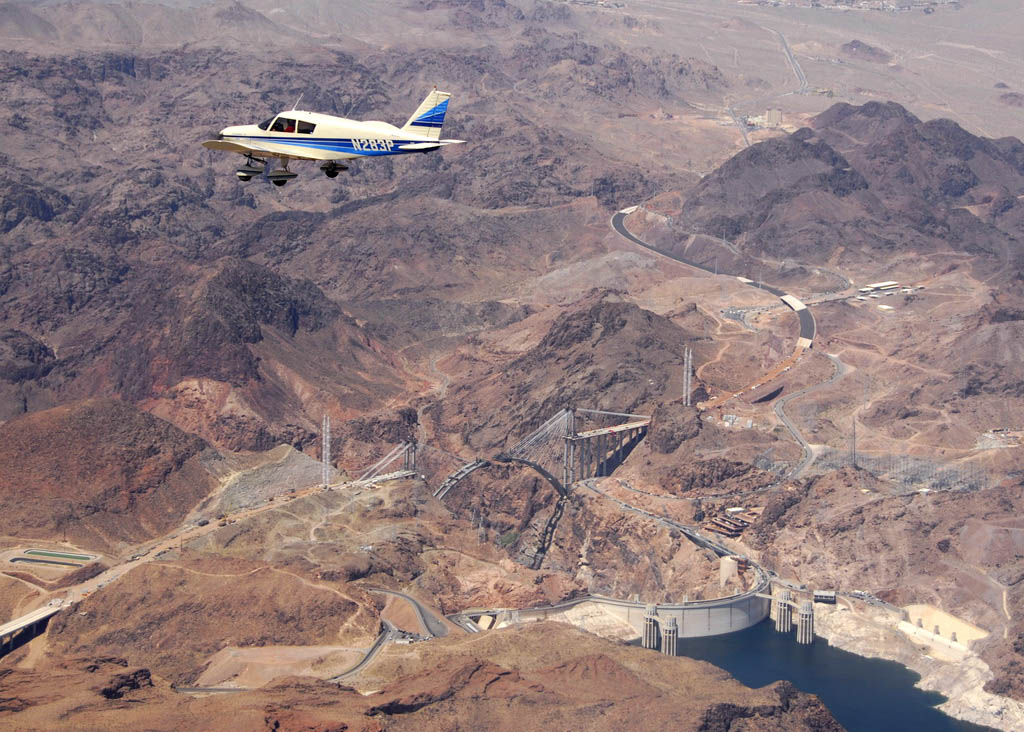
{"x":687,"y":376}
{"x":325,"y":452}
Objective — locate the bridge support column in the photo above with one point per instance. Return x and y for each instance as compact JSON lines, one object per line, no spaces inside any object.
{"x":805,"y":623}
{"x":602,"y":455}
{"x":650,"y":637}
{"x":669,"y":636}
{"x":784,"y":612}
{"x":567,"y":461}
{"x":569,"y":451}
{"x":409,"y":461}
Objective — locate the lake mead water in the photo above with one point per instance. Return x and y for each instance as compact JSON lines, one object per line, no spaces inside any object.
{"x":863,"y":694}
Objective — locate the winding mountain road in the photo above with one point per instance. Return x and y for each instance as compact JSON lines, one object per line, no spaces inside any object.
{"x":780,"y":407}
{"x":378,"y":645}
{"x":433,"y":626}
{"x":808,"y":329}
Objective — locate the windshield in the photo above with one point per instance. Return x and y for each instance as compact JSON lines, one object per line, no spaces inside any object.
{"x":265,"y":124}
{"x":282,"y":124}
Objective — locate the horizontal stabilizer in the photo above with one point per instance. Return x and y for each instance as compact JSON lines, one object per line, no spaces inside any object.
{"x":421,"y":146}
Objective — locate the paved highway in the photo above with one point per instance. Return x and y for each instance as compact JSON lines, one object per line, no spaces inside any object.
{"x":797,"y":71}
{"x":8,"y":629}
{"x":808,"y":327}
{"x":434,"y":627}
{"x":780,"y":406}
{"x":382,"y":639}
{"x":807,"y":324}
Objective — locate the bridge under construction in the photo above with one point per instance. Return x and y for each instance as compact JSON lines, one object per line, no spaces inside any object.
{"x":558,"y":446}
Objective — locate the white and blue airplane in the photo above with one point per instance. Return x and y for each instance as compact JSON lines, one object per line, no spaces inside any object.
{"x":296,"y":135}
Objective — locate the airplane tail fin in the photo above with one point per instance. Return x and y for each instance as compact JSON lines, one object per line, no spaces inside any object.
{"x":429,"y":116}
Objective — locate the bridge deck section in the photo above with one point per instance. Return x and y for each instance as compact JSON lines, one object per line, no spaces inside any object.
{"x":628,"y":426}
{"x":28,"y":619}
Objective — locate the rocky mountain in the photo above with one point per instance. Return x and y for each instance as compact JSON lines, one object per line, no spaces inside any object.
{"x":450,"y":684}
{"x":602,"y":352}
{"x":874,"y":180}
{"x":101,"y":472}
{"x":170,"y":336}
{"x":959,"y":550}
{"x":138,"y":272}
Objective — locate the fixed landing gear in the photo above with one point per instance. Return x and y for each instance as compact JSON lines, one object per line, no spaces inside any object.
{"x":282,"y":175}
{"x":253,"y":167}
{"x":258,"y":167}
{"x":331,"y":169}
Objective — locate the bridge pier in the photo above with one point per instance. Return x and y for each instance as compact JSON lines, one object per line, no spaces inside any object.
{"x":569,"y":449}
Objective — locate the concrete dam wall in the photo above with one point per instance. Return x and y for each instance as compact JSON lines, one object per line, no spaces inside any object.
{"x":693,"y":619}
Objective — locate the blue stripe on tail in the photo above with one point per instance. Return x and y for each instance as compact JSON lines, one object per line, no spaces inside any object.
{"x":432,"y":117}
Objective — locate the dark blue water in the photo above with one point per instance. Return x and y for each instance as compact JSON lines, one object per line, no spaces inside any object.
{"x":863,"y":694}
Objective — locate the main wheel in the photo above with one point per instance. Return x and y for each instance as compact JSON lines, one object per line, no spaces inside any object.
{"x":331,"y":173}
{"x":244,"y":177}
{"x":278,"y":182}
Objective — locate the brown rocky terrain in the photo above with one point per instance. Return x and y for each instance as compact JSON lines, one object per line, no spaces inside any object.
{"x":183,"y":612}
{"x":100,"y":471}
{"x":960,"y":551}
{"x":878,"y":180}
{"x":497,"y":684}
{"x":460,"y":299}
{"x":860,"y":50}
{"x":135,"y":295}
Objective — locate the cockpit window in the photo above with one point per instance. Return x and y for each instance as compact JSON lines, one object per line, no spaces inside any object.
{"x":283,"y":124}
{"x":265,"y":124}
{"x":305,"y":128}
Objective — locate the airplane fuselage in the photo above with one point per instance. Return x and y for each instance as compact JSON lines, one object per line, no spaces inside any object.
{"x":329,"y":138}
{"x":296,"y":135}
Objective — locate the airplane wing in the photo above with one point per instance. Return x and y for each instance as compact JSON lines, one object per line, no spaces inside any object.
{"x":261,"y":151}
{"x":229,"y":146}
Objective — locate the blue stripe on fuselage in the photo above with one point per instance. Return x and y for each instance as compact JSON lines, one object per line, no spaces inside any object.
{"x":353,"y":146}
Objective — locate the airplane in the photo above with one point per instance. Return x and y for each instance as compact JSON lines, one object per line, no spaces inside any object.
{"x":296,"y":135}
